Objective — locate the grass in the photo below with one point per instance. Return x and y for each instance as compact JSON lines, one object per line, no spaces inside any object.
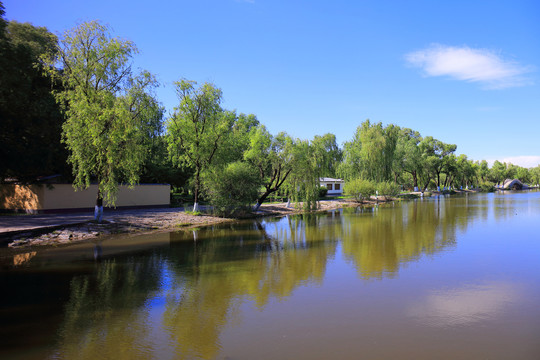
{"x":183,"y":224}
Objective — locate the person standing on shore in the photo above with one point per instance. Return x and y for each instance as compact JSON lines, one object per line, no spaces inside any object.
{"x":98,"y":210}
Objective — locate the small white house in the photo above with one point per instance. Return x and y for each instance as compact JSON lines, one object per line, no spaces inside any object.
{"x":334,"y":186}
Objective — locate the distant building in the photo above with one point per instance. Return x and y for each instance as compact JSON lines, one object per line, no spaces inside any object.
{"x":334,"y":186}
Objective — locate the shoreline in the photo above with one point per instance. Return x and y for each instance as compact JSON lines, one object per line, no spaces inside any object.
{"x":145,"y":222}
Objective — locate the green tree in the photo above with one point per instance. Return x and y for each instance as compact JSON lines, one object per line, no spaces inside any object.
{"x":408,"y":157}
{"x":303,"y":183}
{"x":197,"y":129}
{"x":523,"y":174}
{"x":327,"y":154}
{"x":371,"y":152}
{"x":30,"y":118}
{"x":498,"y":172}
{"x":434,"y":153}
{"x":237,"y":141}
{"x":387,"y":188}
{"x":535,"y":175}
{"x":272,"y":157}
{"x":483,"y":170}
{"x":109,"y":110}
{"x":465,"y":171}
{"x":232,"y":189}
{"x":359,"y":188}
{"x":351,"y":166}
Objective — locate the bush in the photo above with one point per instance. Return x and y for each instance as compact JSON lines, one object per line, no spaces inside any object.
{"x":233,"y":189}
{"x":359,"y":188}
{"x":322,"y":191}
{"x":486,"y":186}
{"x":388,"y":188}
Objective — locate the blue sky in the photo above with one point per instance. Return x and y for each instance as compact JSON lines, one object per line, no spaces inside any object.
{"x":464,"y":72}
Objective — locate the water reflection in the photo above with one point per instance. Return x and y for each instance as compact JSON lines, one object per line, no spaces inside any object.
{"x":173,"y":295}
{"x":465,"y":305}
{"x":379,"y":241}
{"x":105,"y":316}
{"x":210,"y":272}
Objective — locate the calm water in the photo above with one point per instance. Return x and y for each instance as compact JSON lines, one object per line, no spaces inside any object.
{"x":440,"y":278}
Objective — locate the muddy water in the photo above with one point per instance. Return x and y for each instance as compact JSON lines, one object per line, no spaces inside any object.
{"x":440,"y":278}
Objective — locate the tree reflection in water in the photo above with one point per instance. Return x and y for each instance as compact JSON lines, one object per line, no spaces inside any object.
{"x":174,"y":302}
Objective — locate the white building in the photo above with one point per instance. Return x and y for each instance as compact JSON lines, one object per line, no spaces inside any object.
{"x":334,"y":186}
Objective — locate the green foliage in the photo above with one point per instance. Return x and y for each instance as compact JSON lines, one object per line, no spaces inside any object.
{"x":232,"y":189}
{"x":237,"y":141}
{"x":387,"y":188}
{"x":272,"y":157}
{"x":483,"y":170}
{"x":303,"y":184}
{"x":435,"y":155}
{"x":371,"y":152}
{"x":486,"y":186}
{"x":198,"y":128}
{"x":158,"y":167}
{"x":534,"y":174}
{"x":322,"y":191}
{"x":30,"y":119}
{"x":109,"y":111}
{"x":408,"y":156}
{"x":359,"y":188}
{"x":327,"y":154}
{"x":497,"y":173}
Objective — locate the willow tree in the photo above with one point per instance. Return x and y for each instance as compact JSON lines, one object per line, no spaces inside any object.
{"x":197,"y":129}
{"x":303,"y":183}
{"x":434,"y":158}
{"x":408,"y":156}
{"x":327,"y":154}
{"x":272,"y":156}
{"x":108,"y":109}
{"x":370,"y":154}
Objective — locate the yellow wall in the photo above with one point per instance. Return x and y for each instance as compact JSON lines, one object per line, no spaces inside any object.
{"x":32,"y":198}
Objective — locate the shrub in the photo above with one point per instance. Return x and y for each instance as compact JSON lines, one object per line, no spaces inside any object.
{"x":388,"y":188}
{"x":359,"y":188}
{"x":233,"y":189}
{"x":486,"y":186}
{"x":322,"y":191}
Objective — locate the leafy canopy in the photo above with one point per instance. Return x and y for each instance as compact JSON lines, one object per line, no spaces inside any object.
{"x":109,"y":110}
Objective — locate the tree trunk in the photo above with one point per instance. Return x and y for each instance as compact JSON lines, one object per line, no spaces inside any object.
{"x":415,"y":179}
{"x":262,"y":198}
{"x":426,"y":185}
{"x":197,"y":186}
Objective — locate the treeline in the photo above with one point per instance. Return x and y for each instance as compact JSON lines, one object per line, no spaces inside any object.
{"x":74,"y":106}
{"x":389,"y":159}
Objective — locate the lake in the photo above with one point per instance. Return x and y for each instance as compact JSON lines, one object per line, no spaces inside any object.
{"x":448,"y":277}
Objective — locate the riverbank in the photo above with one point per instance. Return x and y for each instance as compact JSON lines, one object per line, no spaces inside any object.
{"x":135,"y":221}
{"x":82,"y":227}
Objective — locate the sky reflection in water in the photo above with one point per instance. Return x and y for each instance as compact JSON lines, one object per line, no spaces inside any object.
{"x":450,"y":277}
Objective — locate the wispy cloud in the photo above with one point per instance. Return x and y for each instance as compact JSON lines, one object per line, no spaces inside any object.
{"x":482,"y":66}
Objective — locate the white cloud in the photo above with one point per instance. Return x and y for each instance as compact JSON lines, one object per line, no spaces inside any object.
{"x":472,"y":65}
{"x":526,"y":161}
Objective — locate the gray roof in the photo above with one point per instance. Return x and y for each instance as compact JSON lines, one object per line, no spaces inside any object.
{"x":326,"y":179}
